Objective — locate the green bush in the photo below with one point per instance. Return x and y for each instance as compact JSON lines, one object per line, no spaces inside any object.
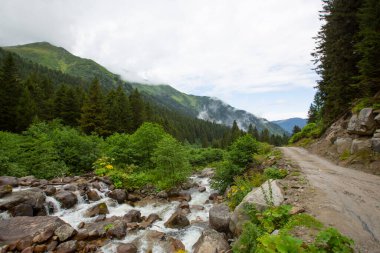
{"x":10,"y":151}
{"x":279,"y":243}
{"x":247,"y":241}
{"x":330,"y":240}
{"x":241,"y":151}
{"x":201,"y":157}
{"x":118,"y":146}
{"x":311,"y":130}
{"x":224,"y":175}
{"x":275,"y":173}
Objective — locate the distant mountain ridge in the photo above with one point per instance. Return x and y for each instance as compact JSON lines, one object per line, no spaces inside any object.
{"x":202,"y":107}
{"x":288,"y":124}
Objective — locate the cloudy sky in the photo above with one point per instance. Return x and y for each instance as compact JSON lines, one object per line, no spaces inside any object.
{"x":253,"y":54}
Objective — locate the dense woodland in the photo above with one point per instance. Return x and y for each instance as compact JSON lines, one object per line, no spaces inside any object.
{"x":347,"y":58}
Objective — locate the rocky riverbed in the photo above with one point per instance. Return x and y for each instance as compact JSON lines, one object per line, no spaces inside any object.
{"x":87,"y":214}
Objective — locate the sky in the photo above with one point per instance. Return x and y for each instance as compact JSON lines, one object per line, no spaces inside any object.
{"x":254,"y":55}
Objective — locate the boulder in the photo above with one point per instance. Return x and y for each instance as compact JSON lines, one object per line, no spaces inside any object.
{"x":7,"y":180}
{"x":377,"y":119}
{"x":40,"y":248}
{"x":375,"y":144}
{"x":219,"y":218}
{"x":43,"y":236}
{"x":210,"y":242}
{"x":133,"y":216}
{"x":98,"y":209}
{"x":126,"y":248}
{"x":119,"y":195}
{"x":67,"y":247}
{"x":64,"y":232}
{"x":22,"y":210}
{"x":28,"y":250}
{"x":92,"y":195}
{"x":118,"y":230}
{"x":17,"y":228}
{"x":202,"y":189}
{"x":26,"y":181}
{"x":133,"y":197}
{"x":177,"y":220}
{"x":173,"y":245}
{"x":70,"y":187}
{"x":343,"y":144}
{"x":150,"y":220}
{"x":258,"y":197}
{"x":50,"y":190}
{"x":66,"y":198}
{"x":207,"y":172}
{"x":175,"y":195}
{"x":162,"y":194}
{"x":360,"y":145}
{"x":5,"y":190}
{"x":362,"y":123}
{"x":24,"y":243}
{"x":33,"y":197}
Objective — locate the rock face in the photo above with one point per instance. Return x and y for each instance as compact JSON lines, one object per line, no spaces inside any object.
{"x":118,"y":230}
{"x":177,"y":220}
{"x":98,"y":209}
{"x":210,"y":242}
{"x":119,"y":195}
{"x":64,"y":232}
{"x":66,"y":198}
{"x":33,"y":197}
{"x":376,"y":144}
{"x":67,"y":247}
{"x":219,"y":218}
{"x":360,"y":145}
{"x":5,"y":190}
{"x":17,"y":228}
{"x":259,"y":197}
{"x":362,"y":124}
{"x":343,"y":144}
{"x":6,"y":180}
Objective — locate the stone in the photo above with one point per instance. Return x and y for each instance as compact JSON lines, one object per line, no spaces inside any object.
{"x":377,"y":119}
{"x":360,"y":145}
{"x":256,"y":197}
{"x":213,"y":196}
{"x":22,"y":210}
{"x":67,"y":247}
{"x":52,"y":246}
{"x":126,"y":248}
{"x":174,"y":245}
{"x":40,"y":248}
{"x":118,"y":230}
{"x":219,"y":218}
{"x":362,"y":123}
{"x":101,"y":217}
{"x":133,"y":197}
{"x":177,"y":220}
{"x":210,"y":242}
{"x":375,"y":144}
{"x":24,"y":243}
{"x":70,"y":187}
{"x":343,"y":144}
{"x":202,"y":189}
{"x":64,"y":232}
{"x":95,"y":210}
{"x":207,"y":172}
{"x":119,"y":195}
{"x":92,"y":195}
{"x":7,"y":180}
{"x":179,"y":196}
{"x":50,"y":190}
{"x":296,"y":210}
{"x":43,"y":236}
{"x":162,"y":194}
{"x":150,"y":220}
{"x":197,"y":207}
{"x":33,"y":197}
{"x":26,"y":181}
{"x":81,"y":225}
{"x":184,"y":205}
{"x":28,"y":250}
{"x":5,"y":190}
{"x":133,"y":216}
{"x":66,"y":198}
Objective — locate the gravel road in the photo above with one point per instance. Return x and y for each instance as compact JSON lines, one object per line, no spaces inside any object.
{"x":344,"y":198}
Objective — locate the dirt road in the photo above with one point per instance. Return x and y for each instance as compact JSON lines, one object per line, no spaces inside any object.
{"x":344,"y":198}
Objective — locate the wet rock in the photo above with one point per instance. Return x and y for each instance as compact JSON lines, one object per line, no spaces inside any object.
{"x":133,"y":216}
{"x":202,"y":189}
{"x":28,"y":250}
{"x":177,"y":220}
{"x":197,"y":207}
{"x":50,"y":190}
{"x":219,"y":218}
{"x":64,"y":232}
{"x":33,"y":197}
{"x":67,"y":247}
{"x":119,"y":195}
{"x":173,"y":245}
{"x":207,"y":172}
{"x":66,"y":198}
{"x":22,"y":210}
{"x":96,"y":185}
{"x":118,"y":230}
{"x":70,"y":187}
{"x":90,"y":248}
{"x":149,"y":221}
{"x":52,"y":246}
{"x":186,"y":186}
{"x":24,"y":243}
{"x":126,"y":248}
{"x":213,"y":196}
{"x":81,"y":225}
{"x":7,"y":180}
{"x":92,"y":195}
{"x":40,"y":248}
{"x":26,"y":181}
{"x":343,"y":144}
{"x":210,"y":242}
{"x":375,"y":144}
{"x":133,"y":197}
{"x":362,"y":123}
{"x":359,"y":145}
{"x":101,"y":217}
{"x":81,"y":235}
{"x":43,"y":236}
{"x":184,"y":205}
{"x":98,"y":209}
{"x":5,"y":190}
{"x":162,"y":194}
{"x":256,"y":197}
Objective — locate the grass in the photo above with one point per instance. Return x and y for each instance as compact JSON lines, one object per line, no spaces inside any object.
{"x":345,"y":155}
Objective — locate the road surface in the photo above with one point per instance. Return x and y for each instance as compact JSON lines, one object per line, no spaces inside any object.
{"x":344,"y":198}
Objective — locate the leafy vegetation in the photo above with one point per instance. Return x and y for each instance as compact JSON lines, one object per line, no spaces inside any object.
{"x":310,"y":131}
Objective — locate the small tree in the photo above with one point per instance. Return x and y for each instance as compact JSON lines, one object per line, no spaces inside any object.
{"x":296,"y":129}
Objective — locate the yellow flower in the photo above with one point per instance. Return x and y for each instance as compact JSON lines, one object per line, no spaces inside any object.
{"x":109,"y":166}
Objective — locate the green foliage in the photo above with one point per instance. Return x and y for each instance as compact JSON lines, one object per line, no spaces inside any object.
{"x":118,"y":146}
{"x":279,"y":243}
{"x":275,"y":173}
{"x":225,"y":173}
{"x":330,"y":240}
{"x":303,"y":220}
{"x":241,"y":151}
{"x":201,"y":157}
{"x":364,"y":103}
{"x":10,"y":150}
{"x":345,"y":155}
{"x":311,"y":130}
{"x":274,"y":217}
{"x":247,"y":241}
{"x":108,"y":227}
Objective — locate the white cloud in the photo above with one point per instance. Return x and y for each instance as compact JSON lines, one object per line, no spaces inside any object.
{"x":229,"y":46}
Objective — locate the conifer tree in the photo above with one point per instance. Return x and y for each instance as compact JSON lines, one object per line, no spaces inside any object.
{"x":138,"y":109}
{"x":118,"y":111}
{"x":26,"y":110}
{"x":235,"y":132}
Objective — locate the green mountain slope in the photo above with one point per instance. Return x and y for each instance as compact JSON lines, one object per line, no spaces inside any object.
{"x":206,"y":108}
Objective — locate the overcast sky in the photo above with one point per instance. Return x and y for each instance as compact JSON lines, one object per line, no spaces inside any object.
{"x":253,"y":54}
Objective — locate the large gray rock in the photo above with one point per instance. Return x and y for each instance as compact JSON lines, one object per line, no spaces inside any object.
{"x":119,"y":195}
{"x":33,"y":197}
{"x":6,"y":180}
{"x":118,"y":230}
{"x":377,"y":119}
{"x":64,"y":232}
{"x":343,"y":144}
{"x":260,"y":198}
{"x":376,"y":144}
{"x":17,"y":228}
{"x":66,"y":198}
{"x":5,"y":190}
{"x":98,"y":209}
{"x":362,"y":123}
{"x":67,"y":247}
{"x":219,"y":218}
{"x":92,"y":195}
{"x":126,"y":248}
{"x":177,"y":220}
{"x":210,"y":242}
{"x":359,"y":145}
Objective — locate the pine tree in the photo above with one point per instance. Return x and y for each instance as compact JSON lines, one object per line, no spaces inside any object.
{"x":296,"y":129}
{"x":138,"y":109}
{"x":93,"y":118}
{"x":118,"y":111}
{"x":235,"y":132}
{"x":26,"y":110}
{"x":10,"y":92}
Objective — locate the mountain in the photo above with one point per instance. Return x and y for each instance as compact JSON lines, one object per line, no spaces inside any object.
{"x":201,"y":107}
{"x":288,"y":124}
